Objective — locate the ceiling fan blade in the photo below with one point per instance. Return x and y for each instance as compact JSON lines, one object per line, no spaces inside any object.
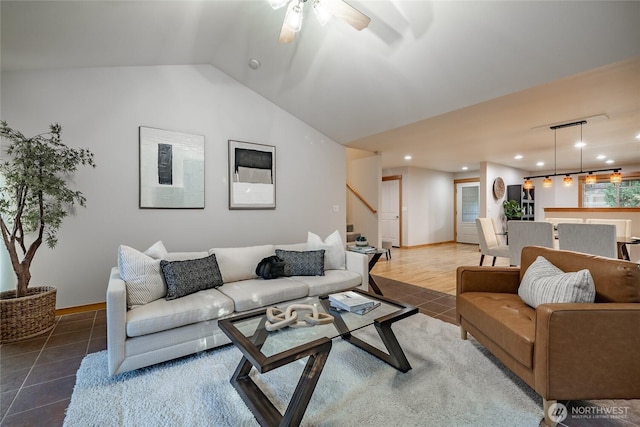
{"x":348,"y":14}
{"x":286,"y":35}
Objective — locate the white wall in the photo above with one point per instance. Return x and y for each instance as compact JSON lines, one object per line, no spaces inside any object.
{"x":363,"y":174}
{"x":102,"y":108}
{"x":491,"y":207}
{"x":427,"y":205}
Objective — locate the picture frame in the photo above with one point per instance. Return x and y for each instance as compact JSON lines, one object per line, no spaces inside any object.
{"x":252,"y":175}
{"x":171,"y":169}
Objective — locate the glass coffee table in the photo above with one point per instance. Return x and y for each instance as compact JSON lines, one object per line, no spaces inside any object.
{"x":265,"y":351}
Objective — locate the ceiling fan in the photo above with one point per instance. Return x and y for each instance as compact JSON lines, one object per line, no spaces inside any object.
{"x":323,"y":9}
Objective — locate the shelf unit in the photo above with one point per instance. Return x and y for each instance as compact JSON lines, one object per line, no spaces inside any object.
{"x":526,"y":200}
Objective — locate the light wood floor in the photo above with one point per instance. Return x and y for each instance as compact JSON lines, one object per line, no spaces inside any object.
{"x":431,"y":267}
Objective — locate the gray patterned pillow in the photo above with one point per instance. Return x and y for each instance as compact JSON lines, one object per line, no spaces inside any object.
{"x":302,"y":263}
{"x":189,"y":276}
{"x":545,"y":283}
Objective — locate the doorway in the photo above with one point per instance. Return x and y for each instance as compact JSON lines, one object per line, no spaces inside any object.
{"x":467,"y":210}
{"x":391,"y":212}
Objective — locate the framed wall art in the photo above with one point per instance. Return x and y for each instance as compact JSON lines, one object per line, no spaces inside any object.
{"x":252,"y":176}
{"x":171,"y":169}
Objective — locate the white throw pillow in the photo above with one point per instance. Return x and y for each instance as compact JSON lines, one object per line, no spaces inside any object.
{"x":141,"y":275}
{"x":545,"y":283}
{"x":333,"y":249}
{"x":157,"y":250}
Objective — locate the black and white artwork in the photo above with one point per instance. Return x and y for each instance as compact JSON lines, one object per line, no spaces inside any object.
{"x":252,"y":176}
{"x":171,"y":169}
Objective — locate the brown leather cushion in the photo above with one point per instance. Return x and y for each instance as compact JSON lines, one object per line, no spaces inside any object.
{"x":615,"y":280}
{"x":505,"y":319}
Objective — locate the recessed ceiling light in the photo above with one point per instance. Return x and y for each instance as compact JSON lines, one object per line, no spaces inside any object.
{"x":638,"y":136}
{"x":609,"y":161}
{"x":601,"y":157}
{"x":517,"y":156}
{"x":464,"y":168}
{"x":580,"y":144}
{"x":540,"y":164}
{"x":254,"y":64}
{"x":407,"y":157}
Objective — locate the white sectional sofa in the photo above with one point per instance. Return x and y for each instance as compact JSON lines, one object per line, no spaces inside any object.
{"x":158,"y":330}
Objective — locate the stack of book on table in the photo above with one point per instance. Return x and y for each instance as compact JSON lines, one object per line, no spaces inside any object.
{"x":352,"y":302}
{"x":363,"y":249}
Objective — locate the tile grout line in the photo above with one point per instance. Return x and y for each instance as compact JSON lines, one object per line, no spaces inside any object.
{"x":22,"y":386}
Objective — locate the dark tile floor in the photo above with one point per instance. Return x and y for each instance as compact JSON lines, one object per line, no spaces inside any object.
{"x":38,"y":375}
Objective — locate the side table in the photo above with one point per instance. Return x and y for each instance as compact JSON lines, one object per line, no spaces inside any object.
{"x":375,"y":256}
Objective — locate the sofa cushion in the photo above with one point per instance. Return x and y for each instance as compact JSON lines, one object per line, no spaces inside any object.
{"x":333,"y":249}
{"x":302,"y":263}
{"x":141,"y":275}
{"x":240,"y":263}
{"x":503,"y":318}
{"x":162,"y":315}
{"x":545,"y":283}
{"x":332,"y":281}
{"x":256,"y":293}
{"x":181,"y":256}
{"x":189,"y":276}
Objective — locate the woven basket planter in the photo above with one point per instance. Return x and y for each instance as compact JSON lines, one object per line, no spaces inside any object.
{"x":29,"y":316}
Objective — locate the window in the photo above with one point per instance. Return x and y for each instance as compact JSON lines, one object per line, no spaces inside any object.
{"x":604,"y":194}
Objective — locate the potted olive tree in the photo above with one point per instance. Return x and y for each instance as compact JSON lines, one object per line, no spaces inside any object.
{"x":34,"y":199}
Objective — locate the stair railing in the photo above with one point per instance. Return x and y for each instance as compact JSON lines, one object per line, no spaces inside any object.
{"x":359,"y":196}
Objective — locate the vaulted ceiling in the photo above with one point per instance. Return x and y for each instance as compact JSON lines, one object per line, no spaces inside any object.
{"x":452,"y":83}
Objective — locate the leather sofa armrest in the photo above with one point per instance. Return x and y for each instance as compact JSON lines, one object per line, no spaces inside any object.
{"x":116,"y":320}
{"x":487,"y":279}
{"x":358,"y":263}
{"x":587,"y":351}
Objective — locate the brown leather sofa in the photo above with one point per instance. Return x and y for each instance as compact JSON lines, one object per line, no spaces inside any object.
{"x":563,"y":351}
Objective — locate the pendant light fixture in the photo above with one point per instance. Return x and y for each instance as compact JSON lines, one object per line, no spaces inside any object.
{"x":547,"y":182}
{"x":615,"y":177}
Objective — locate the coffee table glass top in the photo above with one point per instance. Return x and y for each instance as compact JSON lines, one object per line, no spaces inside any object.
{"x":288,"y":338}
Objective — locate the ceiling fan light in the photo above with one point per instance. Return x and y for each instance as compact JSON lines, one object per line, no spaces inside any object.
{"x":322,"y":13}
{"x":277,"y":4}
{"x":528,"y":184}
{"x":590,"y":179}
{"x":293,"y":19}
{"x":547,"y":182}
{"x":615,"y":177}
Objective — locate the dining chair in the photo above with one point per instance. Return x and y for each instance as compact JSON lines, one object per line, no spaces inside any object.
{"x":527,"y":233}
{"x":488,"y":238}
{"x":623,"y":232}
{"x":556,"y":221}
{"x":594,"y":239}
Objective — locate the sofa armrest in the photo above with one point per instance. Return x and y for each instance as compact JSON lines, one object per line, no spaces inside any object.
{"x":116,"y":320}
{"x":587,"y":351}
{"x":487,"y":279}
{"x":358,"y":263}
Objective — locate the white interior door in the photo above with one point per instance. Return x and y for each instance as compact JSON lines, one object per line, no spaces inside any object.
{"x":468,"y":207}
{"x":390,"y":213}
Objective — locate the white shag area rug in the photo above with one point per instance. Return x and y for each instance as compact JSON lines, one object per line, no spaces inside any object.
{"x":453,"y":383}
